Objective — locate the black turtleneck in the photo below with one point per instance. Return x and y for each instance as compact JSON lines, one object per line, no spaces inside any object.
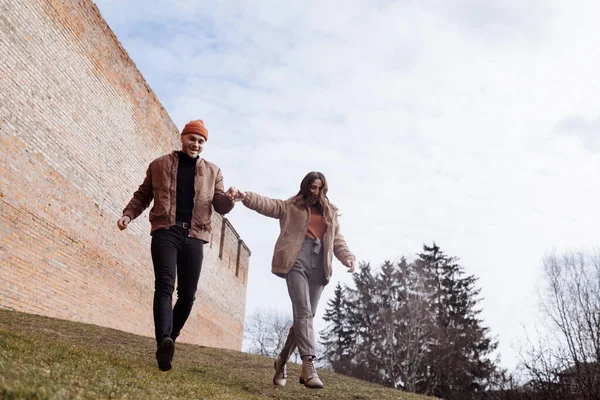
{"x":186,"y":172}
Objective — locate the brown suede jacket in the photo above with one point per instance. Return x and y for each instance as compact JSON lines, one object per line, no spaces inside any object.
{"x":160,"y":184}
{"x":293,"y":222}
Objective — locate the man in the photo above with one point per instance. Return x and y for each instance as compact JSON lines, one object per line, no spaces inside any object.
{"x":185,"y":188}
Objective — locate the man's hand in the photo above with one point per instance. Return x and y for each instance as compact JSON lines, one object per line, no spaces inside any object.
{"x":234,"y":194}
{"x":123,"y":222}
{"x":350,"y":264}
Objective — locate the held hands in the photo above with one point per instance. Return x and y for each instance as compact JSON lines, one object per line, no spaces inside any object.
{"x":350,"y":264}
{"x":123,"y":222}
{"x":235,"y":194}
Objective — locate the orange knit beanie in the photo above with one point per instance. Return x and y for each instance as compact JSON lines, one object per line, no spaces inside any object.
{"x":196,"y":126}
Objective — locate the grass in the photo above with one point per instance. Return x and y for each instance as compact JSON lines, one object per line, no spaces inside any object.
{"x":46,"y":358}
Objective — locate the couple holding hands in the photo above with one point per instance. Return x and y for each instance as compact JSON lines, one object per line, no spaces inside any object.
{"x":185,"y":189}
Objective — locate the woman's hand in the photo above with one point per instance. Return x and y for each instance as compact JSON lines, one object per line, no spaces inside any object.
{"x":350,"y":264}
{"x":235,"y":194}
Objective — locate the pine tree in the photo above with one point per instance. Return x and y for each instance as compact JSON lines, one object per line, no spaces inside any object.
{"x":412,"y":325}
{"x":336,"y":338}
{"x":416,"y":325}
{"x":457,"y":361}
{"x":362,"y":310}
{"x":387,"y":320}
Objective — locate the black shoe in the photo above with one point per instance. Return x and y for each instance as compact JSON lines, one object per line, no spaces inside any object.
{"x":164,"y":353}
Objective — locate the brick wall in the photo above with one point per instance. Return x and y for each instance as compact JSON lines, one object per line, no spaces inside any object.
{"x":78,"y":127}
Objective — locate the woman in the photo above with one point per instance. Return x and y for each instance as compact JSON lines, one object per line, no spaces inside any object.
{"x":310,"y":236}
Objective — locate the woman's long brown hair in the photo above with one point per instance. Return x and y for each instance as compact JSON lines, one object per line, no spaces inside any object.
{"x":302,"y":199}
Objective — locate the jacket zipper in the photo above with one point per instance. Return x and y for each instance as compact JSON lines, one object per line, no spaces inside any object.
{"x":173,"y":194}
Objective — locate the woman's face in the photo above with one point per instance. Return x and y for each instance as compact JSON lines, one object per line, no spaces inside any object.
{"x":315,"y":190}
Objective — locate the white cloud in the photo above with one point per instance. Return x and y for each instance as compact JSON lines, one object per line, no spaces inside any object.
{"x":587,"y":131}
{"x":463,"y":122}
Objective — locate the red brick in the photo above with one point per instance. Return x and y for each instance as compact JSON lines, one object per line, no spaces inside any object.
{"x":73,"y":108}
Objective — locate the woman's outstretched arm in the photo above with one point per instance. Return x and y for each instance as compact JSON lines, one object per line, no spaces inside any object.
{"x":273,"y":208}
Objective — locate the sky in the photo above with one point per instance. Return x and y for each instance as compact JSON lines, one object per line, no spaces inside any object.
{"x":471,"y":123}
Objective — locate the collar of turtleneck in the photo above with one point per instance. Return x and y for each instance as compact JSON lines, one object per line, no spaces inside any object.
{"x":185,"y":159}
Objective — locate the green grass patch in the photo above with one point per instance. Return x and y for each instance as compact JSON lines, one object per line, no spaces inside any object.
{"x":46,"y":358}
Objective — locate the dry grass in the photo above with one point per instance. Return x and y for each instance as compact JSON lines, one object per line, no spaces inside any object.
{"x":45,"y":358}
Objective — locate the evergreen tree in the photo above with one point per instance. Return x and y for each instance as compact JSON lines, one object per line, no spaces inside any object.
{"x":362,"y":310}
{"x":336,"y":338}
{"x":458,"y":363}
{"x":417,"y":325}
{"x":414,"y":326}
{"x":387,"y":320}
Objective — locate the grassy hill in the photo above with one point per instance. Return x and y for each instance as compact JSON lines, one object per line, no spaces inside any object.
{"x":46,"y":358}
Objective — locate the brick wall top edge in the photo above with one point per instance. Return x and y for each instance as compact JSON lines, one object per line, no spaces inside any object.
{"x":229,"y":227}
{"x":236,"y":234}
{"x":125,"y":54}
{"x":245,"y":247}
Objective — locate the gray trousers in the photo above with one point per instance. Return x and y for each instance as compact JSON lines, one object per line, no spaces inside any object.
{"x":305,"y":283}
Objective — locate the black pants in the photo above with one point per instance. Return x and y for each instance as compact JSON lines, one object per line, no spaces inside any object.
{"x":173,"y":252}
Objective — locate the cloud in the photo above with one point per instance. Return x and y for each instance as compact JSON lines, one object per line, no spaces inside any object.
{"x":498,"y":20}
{"x":586,"y":130}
